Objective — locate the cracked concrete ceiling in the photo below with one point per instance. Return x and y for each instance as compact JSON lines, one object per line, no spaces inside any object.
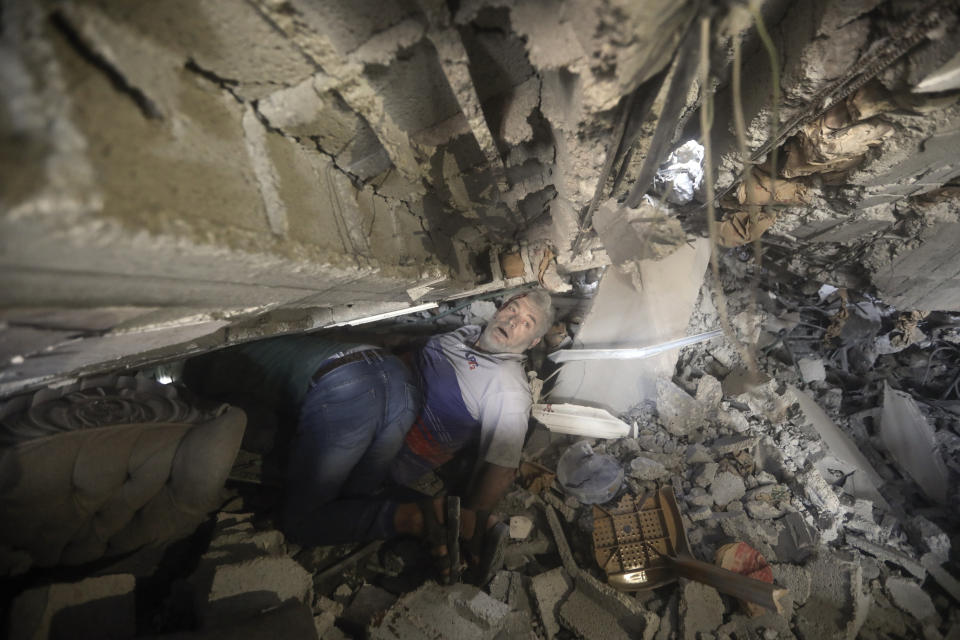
{"x":183,"y":175}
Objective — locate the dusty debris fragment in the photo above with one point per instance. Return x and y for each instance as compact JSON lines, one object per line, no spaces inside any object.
{"x":862,"y":480}
{"x":701,"y":609}
{"x":887,"y":554}
{"x":669,"y":619}
{"x":520,"y":527}
{"x":549,"y":589}
{"x":368,"y":603}
{"x":812,"y":370}
{"x":648,"y":232}
{"x":592,"y":620}
{"x":911,"y":441}
{"x":589,"y":620}
{"x":860,"y":519}
{"x":837,"y":606}
{"x":733,"y":420}
{"x":563,"y":548}
{"x":515,"y":128}
{"x":512,"y":265}
{"x":733,"y":444}
{"x":762,"y":510}
{"x":727,"y":487}
{"x":820,"y":494}
{"x":517,"y":624}
{"x":709,"y":393}
{"x":325,"y":614}
{"x":645,"y":468}
{"x":622,"y":312}
{"x":698,"y":496}
{"x":697,"y":454}
{"x":226,"y":592}
{"x":561,"y":507}
{"x":737,"y":525}
{"x":795,"y":578}
{"x":679,"y":412}
{"x":908,"y":595}
{"x":230,"y":539}
{"x":699,"y":513}
{"x":760,"y":394}
{"x":76,"y":609}
{"x":931,"y":537}
{"x":704,"y":474}
{"x":499,"y":585}
{"x":870,"y":100}
{"x":626,"y":610}
{"x":434,"y":611}
{"x":797,"y":540}
{"x":950,"y":584}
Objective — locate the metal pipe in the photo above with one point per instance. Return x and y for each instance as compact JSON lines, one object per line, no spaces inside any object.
{"x":566,"y":355}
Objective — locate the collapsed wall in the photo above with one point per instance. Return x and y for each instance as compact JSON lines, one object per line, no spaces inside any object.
{"x":202,"y":165}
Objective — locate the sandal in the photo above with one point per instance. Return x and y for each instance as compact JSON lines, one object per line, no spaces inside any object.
{"x":443,"y":534}
{"x":488,"y":547}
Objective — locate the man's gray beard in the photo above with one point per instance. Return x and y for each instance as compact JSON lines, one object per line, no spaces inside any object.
{"x":484,"y":343}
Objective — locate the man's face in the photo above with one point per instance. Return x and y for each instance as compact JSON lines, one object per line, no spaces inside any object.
{"x":514,"y":329}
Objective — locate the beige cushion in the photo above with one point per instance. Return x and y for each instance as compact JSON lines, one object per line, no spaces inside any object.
{"x":81,"y":495}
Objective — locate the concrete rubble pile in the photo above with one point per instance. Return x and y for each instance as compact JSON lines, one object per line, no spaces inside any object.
{"x":801,"y":462}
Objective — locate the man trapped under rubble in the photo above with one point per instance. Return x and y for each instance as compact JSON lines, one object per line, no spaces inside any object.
{"x":365,"y":417}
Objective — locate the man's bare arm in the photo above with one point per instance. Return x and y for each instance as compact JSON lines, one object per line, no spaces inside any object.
{"x":492,"y":483}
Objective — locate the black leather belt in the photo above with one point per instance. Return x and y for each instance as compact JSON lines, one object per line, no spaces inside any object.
{"x":347,"y":359}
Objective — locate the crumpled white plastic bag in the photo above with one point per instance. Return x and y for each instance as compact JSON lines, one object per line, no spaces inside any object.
{"x":680,"y":176}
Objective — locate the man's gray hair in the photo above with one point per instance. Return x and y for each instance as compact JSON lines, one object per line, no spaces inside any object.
{"x":541,"y":299}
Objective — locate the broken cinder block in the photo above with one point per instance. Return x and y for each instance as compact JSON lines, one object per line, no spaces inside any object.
{"x":549,"y":589}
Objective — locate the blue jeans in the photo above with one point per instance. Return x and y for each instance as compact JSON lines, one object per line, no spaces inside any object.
{"x":352,"y":424}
